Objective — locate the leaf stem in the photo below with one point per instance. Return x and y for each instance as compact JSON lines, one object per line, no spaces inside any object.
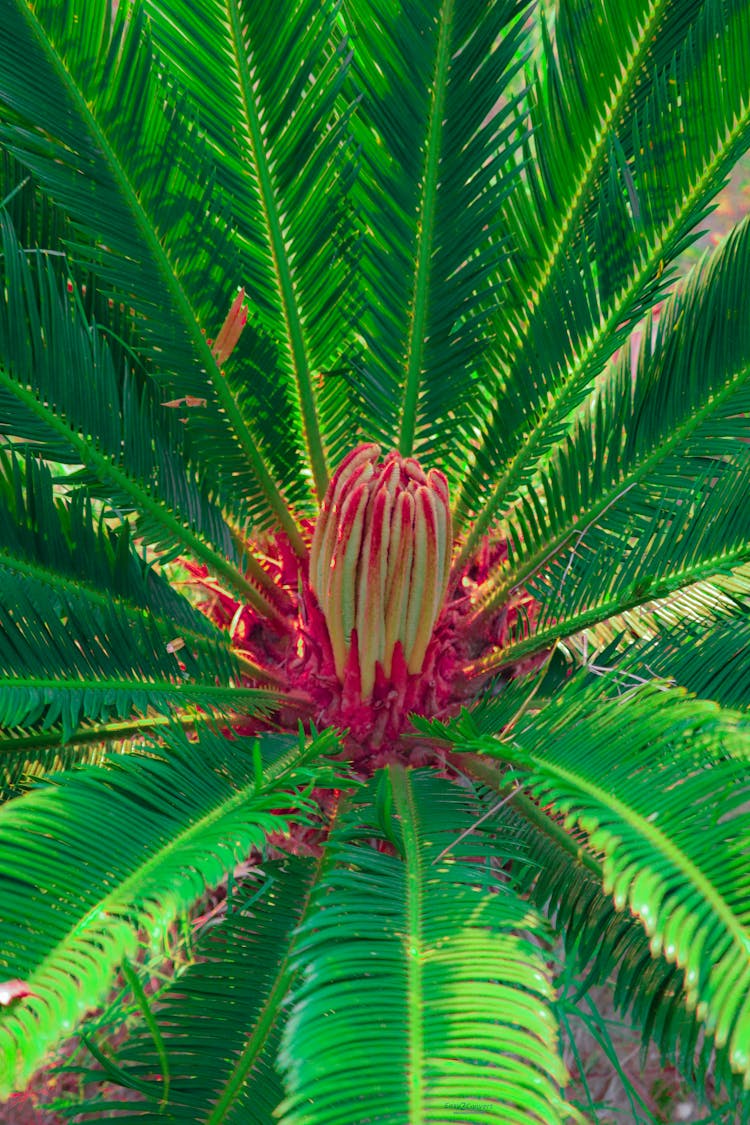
{"x":403,"y":801}
{"x":278,"y":243}
{"x":426,"y":234}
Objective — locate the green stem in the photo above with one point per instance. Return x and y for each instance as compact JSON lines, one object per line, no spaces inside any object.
{"x":426,"y":235}
{"x":493,"y":776}
{"x":277,"y":241}
{"x":403,"y":802}
{"x":101,"y":732}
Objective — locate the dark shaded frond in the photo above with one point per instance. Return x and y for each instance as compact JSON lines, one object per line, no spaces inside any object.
{"x":26,"y":757}
{"x":102,"y":662}
{"x":655,"y":479}
{"x":709,"y":658}
{"x":664,"y":165}
{"x":59,"y":540}
{"x":153,"y":227}
{"x":61,"y":394}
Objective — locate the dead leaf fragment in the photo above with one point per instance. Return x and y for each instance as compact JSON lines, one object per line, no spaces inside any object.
{"x":15,"y":989}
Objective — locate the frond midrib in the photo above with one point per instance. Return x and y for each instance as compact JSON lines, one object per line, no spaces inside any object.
{"x":295,"y":336}
{"x":561,"y":405}
{"x":99,"y":732}
{"x":403,"y":801}
{"x":425,"y":236}
{"x":146,"y":229}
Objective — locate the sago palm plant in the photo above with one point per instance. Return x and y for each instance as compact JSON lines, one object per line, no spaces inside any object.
{"x":374,"y":551}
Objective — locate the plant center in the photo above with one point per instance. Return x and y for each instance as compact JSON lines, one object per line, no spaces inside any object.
{"x":369,"y":628}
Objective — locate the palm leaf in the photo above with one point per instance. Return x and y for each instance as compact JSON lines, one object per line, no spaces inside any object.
{"x":268,"y":96}
{"x":450,"y":973}
{"x":151,"y":228}
{"x":26,"y":757}
{"x":128,"y":849}
{"x":603,"y":944}
{"x":432,"y":78}
{"x":129,"y":446}
{"x":663,"y":799}
{"x":59,"y":540}
{"x":609,"y":945}
{"x":659,"y":464}
{"x":220,"y":1055}
{"x":695,"y":116}
{"x":130,"y":669}
{"x":707,"y":661}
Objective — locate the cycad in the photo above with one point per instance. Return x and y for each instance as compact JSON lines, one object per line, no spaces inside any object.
{"x":341,"y":531}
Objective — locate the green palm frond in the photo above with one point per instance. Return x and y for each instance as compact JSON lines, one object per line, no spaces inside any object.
{"x":67,"y":577}
{"x":710,"y":662}
{"x":220,"y":1020}
{"x":137,"y":457}
{"x":458,"y":977}
{"x":609,"y":945}
{"x":603,"y":944}
{"x":133,"y":845}
{"x":60,"y":541}
{"x":433,"y":143}
{"x":150,"y":229}
{"x":658,"y":465}
{"x":682,"y":141}
{"x":658,"y":799}
{"x":131,"y":669}
{"x":269,"y":95}
{"x":27,"y":757}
